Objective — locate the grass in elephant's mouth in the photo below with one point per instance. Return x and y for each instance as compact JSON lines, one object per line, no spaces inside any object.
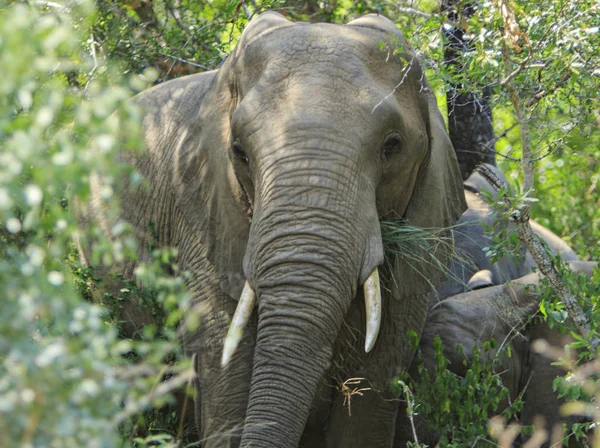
{"x":424,"y":249}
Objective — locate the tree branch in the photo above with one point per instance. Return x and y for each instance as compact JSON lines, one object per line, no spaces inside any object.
{"x":538,"y":96}
{"x":526,"y":161}
{"x":510,"y":75}
{"x":185,"y":61}
{"x":521,"y":216}
{"x":521,"y":212}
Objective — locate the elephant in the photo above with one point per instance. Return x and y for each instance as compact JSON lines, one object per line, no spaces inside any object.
{"x":501,"y":313}
{"x":269,"y":176}
{"x":480,"y":301}
{"x":471,"y":267}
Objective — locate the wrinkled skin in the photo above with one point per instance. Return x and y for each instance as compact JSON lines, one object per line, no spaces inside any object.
{"x":473,"y":306}
{"x":275,"y":170}
{"x":471,"y":241}
{"x":500,"y":313}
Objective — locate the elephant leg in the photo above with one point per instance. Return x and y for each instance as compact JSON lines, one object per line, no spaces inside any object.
{"x":221,"y":394}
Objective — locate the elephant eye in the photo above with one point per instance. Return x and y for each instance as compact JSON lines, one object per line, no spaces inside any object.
{"x":239,"y":153}
{"x":391,"y":144}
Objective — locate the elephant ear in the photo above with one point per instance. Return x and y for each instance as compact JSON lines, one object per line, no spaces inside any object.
{"x":438,"y":199}
{"x":207,"y":190}
{"x":379,"y":23}
{"x":437,"y":202}
{"x":265,"y":22}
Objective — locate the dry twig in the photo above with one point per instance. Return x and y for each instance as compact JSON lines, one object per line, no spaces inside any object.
{"x":349,"y":391}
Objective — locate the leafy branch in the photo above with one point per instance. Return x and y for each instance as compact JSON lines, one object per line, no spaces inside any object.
{"x":522,"y":212}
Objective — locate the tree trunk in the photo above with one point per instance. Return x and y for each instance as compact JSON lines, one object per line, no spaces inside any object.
{"x":469,"y":114}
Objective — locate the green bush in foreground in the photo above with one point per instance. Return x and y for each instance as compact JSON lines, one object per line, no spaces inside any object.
{"x":66,"y":379}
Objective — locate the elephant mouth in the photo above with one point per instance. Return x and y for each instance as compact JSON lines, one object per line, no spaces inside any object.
{"x":247,"y":302}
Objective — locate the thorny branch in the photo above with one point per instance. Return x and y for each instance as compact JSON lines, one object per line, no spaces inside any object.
{"x":510,"y":76}
{"x":538,"y":96}
{"x":175,"y":60}
{"x":493,"y":151}
{"x":489,"y":145}
{"x":522,"y":212}
{"x":184,"y":61}
{"x":191,"y":35}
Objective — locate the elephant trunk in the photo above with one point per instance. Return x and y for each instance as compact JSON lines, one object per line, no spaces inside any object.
{"x":287,"y":368}
{"x":306,"y":269}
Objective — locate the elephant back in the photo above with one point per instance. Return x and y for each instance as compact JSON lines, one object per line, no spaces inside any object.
{"x":472,"y":242}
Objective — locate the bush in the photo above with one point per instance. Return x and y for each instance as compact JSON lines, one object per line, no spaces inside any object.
{"x":66,"y":379}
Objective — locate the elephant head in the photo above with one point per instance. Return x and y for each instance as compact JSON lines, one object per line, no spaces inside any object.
{"x":301,"y":141}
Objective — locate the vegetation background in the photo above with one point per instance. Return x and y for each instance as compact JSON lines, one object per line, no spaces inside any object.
{"x":66,"y":377}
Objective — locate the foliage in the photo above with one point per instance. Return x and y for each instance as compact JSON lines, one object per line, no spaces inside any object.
{"x":66,"y":379}
{"x":437,"y":393}
{"x":568,"y":180}
{"x":554,"y":312}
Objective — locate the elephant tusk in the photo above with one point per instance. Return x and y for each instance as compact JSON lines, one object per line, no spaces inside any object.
{"x":238,"y":323}
{"x":372,"y":291}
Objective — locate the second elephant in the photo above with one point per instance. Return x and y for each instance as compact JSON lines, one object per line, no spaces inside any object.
{"x":481,"y":301}
{"x":500,"y":313}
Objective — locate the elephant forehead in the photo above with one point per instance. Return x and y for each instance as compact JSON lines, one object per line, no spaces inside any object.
{"x":346,"y":51}
{"x":316,"y":93}
{"x":309,"y":38}
{"x":321,"y":109}
{"x":326,"y":67}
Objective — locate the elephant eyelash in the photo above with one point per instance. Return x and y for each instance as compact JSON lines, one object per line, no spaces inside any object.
{"x":239,"y":153}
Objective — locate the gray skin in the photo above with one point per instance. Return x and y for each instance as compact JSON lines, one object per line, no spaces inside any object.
{"x":275,"y":169}
{"x":468,"y":269}
{"x":480,"y":301}
{"x":500,"y":313}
